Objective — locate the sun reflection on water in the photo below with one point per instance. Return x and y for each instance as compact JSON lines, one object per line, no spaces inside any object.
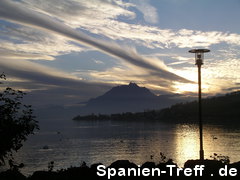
{"x":187,"y":143}
{"x":215,"y":140}
{"x":139,"y":142}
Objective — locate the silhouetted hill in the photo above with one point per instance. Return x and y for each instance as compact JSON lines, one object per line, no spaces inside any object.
{"x":119,"y":99}
{"x":221,"y":109}
{"x":127,"y":98}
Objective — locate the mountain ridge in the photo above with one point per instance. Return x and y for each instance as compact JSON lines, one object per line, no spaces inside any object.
{"x":126,"y":91}
{"x":218,"y":109}
{"x":128,"y":98}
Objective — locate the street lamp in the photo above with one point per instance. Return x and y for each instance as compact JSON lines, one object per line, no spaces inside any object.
{"x":199,"y":56}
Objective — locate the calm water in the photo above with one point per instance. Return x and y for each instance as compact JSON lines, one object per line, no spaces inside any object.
{"x":69,"y":143}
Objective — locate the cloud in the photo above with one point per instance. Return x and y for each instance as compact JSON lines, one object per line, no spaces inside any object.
{"x":48,"y":85}
{"x":76,"y":13}
{"x":51,"y":86}
{"x":12,"y":54}
{"x":88,"y":15}
{"x":98,"y":61}
{"x":102,"y":18}
{"x":29,"y":43}
{"x":43,"y":34}
{"x":234,"y":88}
{"x":217,"y":76}
{"x":32,"y":71}
{"x":17,"y":13}
{"x":149,"y":12}
{"x":125,"y":73}
{"x":155,"y":37}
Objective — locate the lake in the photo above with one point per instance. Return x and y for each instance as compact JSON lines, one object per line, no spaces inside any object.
{"x":69,"y":143}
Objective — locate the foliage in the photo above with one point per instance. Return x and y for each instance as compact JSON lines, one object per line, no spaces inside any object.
{"x":16,"y":122}
{"x":50,"y":166}
{"x":162,"y":158}
{"x":146,"y":115}
{"x":223,"y":159}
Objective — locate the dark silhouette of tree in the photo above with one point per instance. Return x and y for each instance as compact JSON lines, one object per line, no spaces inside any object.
{"x":16,"y":122}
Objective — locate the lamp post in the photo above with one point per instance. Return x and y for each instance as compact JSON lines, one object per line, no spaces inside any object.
{"x":199,"y":56}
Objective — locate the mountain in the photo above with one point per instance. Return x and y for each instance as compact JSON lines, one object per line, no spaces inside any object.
{"x":220,"y":109}
{"x":127,"y":98}
{"x":119,"y":99}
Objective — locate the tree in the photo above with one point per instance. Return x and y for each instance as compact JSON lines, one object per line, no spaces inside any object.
{"x":16,"y":122}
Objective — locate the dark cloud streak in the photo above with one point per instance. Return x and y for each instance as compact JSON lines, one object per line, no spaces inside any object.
{"x":49,"y":87}
{"x":15,"y":12}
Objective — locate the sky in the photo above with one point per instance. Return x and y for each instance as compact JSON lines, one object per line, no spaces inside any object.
{"x":67,"y":51}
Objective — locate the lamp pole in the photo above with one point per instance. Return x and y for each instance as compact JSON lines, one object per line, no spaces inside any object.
{"x":199,"y":56}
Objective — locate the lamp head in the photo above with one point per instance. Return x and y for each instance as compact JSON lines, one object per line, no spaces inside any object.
{"x":199,"y":55}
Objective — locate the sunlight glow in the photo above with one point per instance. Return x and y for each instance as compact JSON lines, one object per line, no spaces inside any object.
{"x":182,"y":87}
{"x":187,"y":143}
{"x":209,"y":83}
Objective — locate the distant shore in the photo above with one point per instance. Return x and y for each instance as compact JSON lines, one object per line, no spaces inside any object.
{"x":219,"y":109}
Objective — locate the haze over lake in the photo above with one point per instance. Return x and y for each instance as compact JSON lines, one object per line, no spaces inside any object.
{"x":69,"y":143}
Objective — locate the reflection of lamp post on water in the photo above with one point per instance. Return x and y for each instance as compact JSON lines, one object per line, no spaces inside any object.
{"x":199,"y":56}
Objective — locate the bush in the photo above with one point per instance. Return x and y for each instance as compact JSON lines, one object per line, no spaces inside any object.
{"x":16,"y":122}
